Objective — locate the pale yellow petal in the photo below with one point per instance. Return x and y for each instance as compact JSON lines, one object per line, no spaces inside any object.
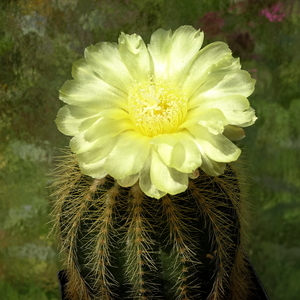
{"x":78,"y":144}
{"x":107,"y":127}
{"x":129,"y":180}
{"x":205,"y":60}
{"x":128,"y":156}
{"x":195,"y":174}
{"x":104,"y":59}
{"x":172,"y":54}
{"x":89,"y":89}
{"x":99,"y":151}
{"x":135,"y":56}
{"x":216,"y":147}
{"x":81,"y":146}
{"x":221,"y":84}
{"x":145,"y":182}
{"x":178,"y":151}
{"x":69,"y":123}
{"x":213,"y":119}
{"x":228,"y":63}
{"x":94,"y":170}
{"x":165,"y":178}
{"x":235,"y":108}
{"x":82,"y":71}
{"x":96,"y":94}
{"x":87,"y":123}
{"x":185,"y":156}
{"x":212,"y":167}
{"x":71,"y":118}
{"x":164,"y":144}
{"x":113,"y":113}
{"x":234,"y":133}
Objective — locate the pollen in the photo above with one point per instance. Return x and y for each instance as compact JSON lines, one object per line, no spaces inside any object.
{"x":156,"y":107}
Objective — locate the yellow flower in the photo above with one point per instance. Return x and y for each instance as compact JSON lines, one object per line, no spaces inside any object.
{"x":156,"y":113}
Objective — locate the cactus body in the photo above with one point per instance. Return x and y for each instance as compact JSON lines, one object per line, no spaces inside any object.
{"x":121,"y":244}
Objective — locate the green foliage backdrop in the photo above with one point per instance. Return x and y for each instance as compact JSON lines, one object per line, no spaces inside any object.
{"x":40,"y":39}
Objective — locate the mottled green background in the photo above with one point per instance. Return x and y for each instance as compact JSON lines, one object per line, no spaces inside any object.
{"x":39,"y":40}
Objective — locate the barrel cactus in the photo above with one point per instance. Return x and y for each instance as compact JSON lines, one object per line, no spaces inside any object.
{"x":149,"y":203}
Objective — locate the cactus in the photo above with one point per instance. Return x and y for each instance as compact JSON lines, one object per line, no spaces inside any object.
{"x":148,"y":203}
{"x":119,"y":243}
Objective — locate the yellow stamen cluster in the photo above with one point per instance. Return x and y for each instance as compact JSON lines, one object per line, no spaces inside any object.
{"x":156,"y":107}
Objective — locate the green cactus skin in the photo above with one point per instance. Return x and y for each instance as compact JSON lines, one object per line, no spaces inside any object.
{"x":119,"y":243}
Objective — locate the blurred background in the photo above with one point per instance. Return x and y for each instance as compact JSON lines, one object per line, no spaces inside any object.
{"x":39,"y":40}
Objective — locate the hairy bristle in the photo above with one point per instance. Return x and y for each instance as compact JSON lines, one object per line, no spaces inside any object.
{"x":102,"y":235}
{"x":120,"y":244}
{"x":139,"y":246}
{"x":179,"y":236}
{"x":221,"y":207}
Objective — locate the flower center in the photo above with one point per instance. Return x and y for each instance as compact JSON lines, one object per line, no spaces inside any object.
{"x":156,"y":108}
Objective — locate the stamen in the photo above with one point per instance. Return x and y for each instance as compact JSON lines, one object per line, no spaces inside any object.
{"x":156,"y":107}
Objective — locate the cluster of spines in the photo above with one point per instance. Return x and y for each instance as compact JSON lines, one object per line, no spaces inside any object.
{"x":222,"y":209}
{"x":68,"y":211}
{"x":179,"y":236}
{"x":99,"y":220}
{"x":102,"y":234}
{"x":139,"y":247}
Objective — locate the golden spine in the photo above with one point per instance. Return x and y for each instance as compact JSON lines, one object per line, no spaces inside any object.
{"x":120,"y":244}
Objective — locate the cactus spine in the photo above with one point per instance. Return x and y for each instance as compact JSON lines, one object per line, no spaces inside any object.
{"x":120,"y":244}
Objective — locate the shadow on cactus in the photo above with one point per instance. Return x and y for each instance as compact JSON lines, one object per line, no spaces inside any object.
{"x":148,"y":204}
